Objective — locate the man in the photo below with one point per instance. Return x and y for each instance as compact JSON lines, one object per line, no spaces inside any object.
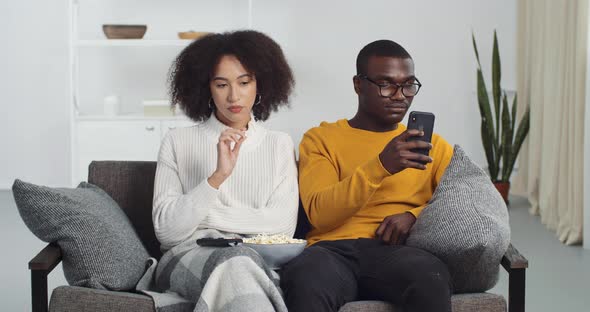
{"x":362,"y":188}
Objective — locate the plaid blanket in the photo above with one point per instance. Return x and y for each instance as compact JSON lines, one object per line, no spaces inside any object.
{"x":193,"y":278}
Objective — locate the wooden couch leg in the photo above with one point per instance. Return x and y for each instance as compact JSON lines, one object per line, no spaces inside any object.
{"x":516,"y":290}
{"x":39,"y":291}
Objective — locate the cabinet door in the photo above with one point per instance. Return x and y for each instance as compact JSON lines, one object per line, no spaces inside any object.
{"x":115,"y":140}
{"x":168,"y":125}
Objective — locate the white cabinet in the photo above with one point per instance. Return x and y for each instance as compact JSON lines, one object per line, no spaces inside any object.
{"x":168,"y":125}
{"x":119,"y":140}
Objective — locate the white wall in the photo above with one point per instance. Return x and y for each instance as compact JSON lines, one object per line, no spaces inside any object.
{"x":34,"y":130}
{"x":321,"y":40}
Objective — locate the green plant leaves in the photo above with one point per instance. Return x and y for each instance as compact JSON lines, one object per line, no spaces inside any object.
{"x":496,"y":90}
{"x":500,"y":142}
{"x":487,"y":127}
{"x":475,"y":49}
{"x":521,"y":133}
{"x":506,"y":145}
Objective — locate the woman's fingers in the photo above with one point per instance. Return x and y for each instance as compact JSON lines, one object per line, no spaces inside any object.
{"x":234,"y":131}
{"x":232,"y":135}
{"x":232,"y":141}
{"x":236,"y":149}
{"x":229,"y":138}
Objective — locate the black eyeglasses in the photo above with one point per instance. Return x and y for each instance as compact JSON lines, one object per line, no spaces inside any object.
{"x":387,"y":89}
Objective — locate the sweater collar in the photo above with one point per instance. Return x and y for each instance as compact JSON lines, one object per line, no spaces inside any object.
{"x":216,"y":127}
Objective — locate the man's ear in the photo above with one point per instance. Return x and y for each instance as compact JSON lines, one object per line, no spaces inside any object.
{"x":357,"y":84}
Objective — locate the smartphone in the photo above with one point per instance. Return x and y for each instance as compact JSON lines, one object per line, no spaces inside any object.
{"x":422,"y":121}
{"x":219,"y":242}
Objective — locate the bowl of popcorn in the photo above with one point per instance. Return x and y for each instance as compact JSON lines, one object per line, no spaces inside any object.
{"x":276,"y":250}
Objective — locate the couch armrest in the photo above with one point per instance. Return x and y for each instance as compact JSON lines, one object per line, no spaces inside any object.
{"x":514,"y":260}
{"x":46,"y":259}
{"x":515,"y":264}
{"x":41,"y":265}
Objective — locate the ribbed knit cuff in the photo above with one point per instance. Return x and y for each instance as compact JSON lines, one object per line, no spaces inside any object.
{"x":416,"y":211}
{"x":374,"y":171}
{"x":203,"y":193}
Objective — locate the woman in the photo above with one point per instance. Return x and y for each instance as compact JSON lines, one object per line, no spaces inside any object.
{"x":226,"y":177}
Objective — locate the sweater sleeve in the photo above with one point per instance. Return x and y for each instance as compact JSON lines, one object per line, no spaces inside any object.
{"x":328,"y":201}
{"x":279,"y":214}
{"x":177,"y":215}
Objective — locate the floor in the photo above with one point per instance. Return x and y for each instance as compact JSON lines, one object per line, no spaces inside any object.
{"x":558,"y":278}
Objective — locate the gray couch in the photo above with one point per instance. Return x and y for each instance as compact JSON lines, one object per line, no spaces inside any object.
{"x":130,"y":184}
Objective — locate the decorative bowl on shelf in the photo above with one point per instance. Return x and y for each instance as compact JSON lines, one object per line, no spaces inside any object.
{"x":118,"y":31}
{"x":192,"y":35}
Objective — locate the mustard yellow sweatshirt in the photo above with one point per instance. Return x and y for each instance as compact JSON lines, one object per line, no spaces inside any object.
{"x":346,"y":191}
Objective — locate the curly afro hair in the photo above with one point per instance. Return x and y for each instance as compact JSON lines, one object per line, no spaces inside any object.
{"x":261,"y":56}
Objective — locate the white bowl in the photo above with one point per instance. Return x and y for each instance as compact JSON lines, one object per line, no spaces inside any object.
{"x":276,"y":255}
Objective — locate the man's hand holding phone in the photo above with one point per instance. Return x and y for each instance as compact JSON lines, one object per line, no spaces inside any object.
{"x":398,"y":155}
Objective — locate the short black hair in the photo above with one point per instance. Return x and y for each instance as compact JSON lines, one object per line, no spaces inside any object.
{"x":378,"y":48}
{"x":261,"y":56}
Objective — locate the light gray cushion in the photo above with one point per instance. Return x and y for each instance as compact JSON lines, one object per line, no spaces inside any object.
{"x":99,"y":245}
{"x":369,"y":306}
{"x":480,"y":302}
{"x":465,"y":224}
{"x":79,"y":299}
{"x":68,"y":298}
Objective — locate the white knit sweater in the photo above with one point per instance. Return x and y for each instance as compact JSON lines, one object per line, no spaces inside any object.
{"x":260,"y":196}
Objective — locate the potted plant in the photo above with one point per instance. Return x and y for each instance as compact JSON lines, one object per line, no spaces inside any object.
{"x":500,"y":142}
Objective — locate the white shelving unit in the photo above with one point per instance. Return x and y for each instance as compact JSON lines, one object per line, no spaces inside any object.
{"x":129,"y":117}
{"x":79,"y":43}
{"x":129,"y":136}
{"x":132,"y":43}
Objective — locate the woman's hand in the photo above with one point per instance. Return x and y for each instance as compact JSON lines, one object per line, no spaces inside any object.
{"x":226,"y":155}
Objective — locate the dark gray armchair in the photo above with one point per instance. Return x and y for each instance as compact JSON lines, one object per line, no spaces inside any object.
{"x":130,"y":184}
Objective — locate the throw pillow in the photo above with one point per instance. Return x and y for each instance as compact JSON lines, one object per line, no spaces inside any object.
{"x":465,"y":225}
{"x":100,"y":248}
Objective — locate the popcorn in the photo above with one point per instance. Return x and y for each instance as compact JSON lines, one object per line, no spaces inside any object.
{"x":272,"y":239}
